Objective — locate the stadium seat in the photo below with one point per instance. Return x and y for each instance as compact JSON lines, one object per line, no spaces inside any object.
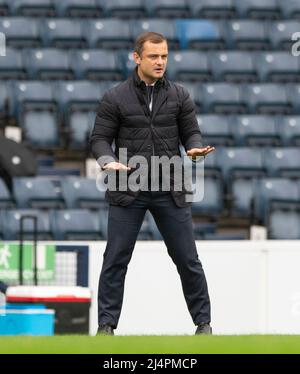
{"x":258,"y":9}
{"x":247,"y":35}
{"x":6,"y":101}
{"x":32,"y":95}
{"x":12,"y":66}
{"x":280,"y":33}
{"x":41,"y":129}
{"x":293,"y":93}
{"x":223,"y":98}
{"x":242,"y":197}
{"x":80,"y":125}
{"x":288,"y":128}
{"x":82,"y":193}
{"x":195,"y":93}
{"x":282,"y":162}
{"x":78,"y":8}
{"x":165,"y":27}
{"x":188,"y":66}
{"x":4,"y":8}
{"x":167,"y":8}
{"x":274,"y":193}
{"x":108,"y":33}
{"x":255,"y":130}
{"x":20,"y":32}
{"x":212,"y":203}
{"x":290,"y":8}
{"x":284,"y":225}
{"x":240,"y":162}
{"x":215,"y":129}
{"x":11,"y":224}
{"x":233,"y":66}
{"x":213,"y":8}
{"x":38,"y":8}
{"x":268,"y":98}
{"x":63,"y":33}
{"x":36,"y":192}
{"x":48,"y":63}
{"x":199,"y":34}
{"x":124,"y":8}
{"x":279,"y":67}
{"x":96,"y":64}
{"x":6,"y":200}
{"x":75,"y":224}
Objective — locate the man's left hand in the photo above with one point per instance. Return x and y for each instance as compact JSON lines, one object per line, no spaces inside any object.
{"x":194,"y":152}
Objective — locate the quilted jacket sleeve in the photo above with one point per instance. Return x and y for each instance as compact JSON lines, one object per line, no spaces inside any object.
{"x":105,"y":130}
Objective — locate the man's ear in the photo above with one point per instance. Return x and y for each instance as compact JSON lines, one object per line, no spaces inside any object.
{"x":136,"y":58}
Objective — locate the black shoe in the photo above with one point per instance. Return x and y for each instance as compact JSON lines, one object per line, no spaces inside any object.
{"x":204,"y":329}
{"x":105,"y":330}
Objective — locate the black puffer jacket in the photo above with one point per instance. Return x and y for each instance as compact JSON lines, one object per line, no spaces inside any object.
{"x":124,"y":116}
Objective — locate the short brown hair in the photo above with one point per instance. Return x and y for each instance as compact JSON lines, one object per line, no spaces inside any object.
{"x":152,"y":37}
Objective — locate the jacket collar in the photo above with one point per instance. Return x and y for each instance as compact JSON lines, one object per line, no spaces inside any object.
{"x":161,"y":82}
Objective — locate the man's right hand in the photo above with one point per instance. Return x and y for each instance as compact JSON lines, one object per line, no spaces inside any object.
{"x":115,"y":166}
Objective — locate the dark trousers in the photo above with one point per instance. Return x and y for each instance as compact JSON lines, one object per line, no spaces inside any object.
{"x":175,"y":226}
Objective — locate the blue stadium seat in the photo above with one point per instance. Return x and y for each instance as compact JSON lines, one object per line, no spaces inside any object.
{"x":32,"y":95}
{"x":75,"y":224}
{"x":274,"y":193}
{"x":223,"y":98}
{"x":6,"y":200}
{"x":20,"y":32}
{"x":96,"y":64}
{"x":11,"y":224}
{"x":12,"y":66}
{"x":255,"y":130}
{"x":41,"y":129}
{"x":4,"y":8}
{"x":80,"y":127}
{"x":258,"y":9}
{"x":283,"y":162}
{"x":124,"y":8}
{"x":240,"y":162}
{"x":293,"y":93}
{"x":195,"y":93}
{"x":36,"y":192}
{"x":290,"y":8}
{"x":284,"y":225}
{"x":63,"y":33}
{"x":247,"y":35}
{"x":200,"y":34}
{"x":167,"y":8}
{"x":82,"y":193}
{"x":288,"y":128}
{"x":278,"y":67}
{"x":213,"y":8}
{"x":242,"y":197}
{"x":215,"y":129}
{"x":6,"y":102}
{"x":48,"y":63}
{"x":78,"y":8}
{"x":165,"y":27}
{"x":268,"y":98}
{"x":39,"y":8}
{"x":188,"y":66}
{"x":280,"y":33}
{"x":108,"y":33}
{"x":212,"y":203}
{"x":233,"y":66}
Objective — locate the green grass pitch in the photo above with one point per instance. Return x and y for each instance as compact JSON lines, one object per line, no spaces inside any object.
{"x":151,"y":344}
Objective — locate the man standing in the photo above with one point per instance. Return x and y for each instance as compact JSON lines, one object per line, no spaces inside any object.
{"x":148,"y":116}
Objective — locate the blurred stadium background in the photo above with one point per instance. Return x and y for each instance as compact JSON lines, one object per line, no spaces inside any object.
{"x":235,"y":58}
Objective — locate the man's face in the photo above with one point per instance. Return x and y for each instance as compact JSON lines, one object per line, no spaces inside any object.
{"x":153,"y":61}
